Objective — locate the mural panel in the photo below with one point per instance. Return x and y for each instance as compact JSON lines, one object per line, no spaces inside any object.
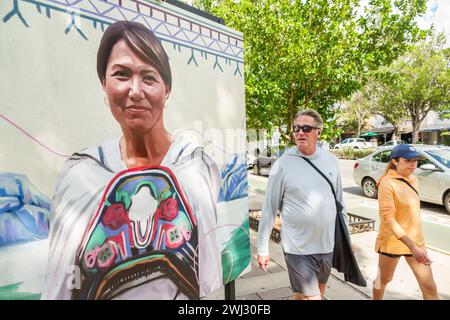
{"x":77,"y":222}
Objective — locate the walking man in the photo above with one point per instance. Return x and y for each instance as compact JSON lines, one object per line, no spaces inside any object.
{"x":307,"y":208}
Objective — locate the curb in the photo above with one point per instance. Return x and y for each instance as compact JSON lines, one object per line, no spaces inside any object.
{"x":438,"y":250}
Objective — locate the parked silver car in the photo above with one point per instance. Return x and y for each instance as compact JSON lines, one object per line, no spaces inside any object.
{"x":433,"y":172}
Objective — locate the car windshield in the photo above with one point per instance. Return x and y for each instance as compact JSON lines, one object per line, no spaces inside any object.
{"x":440,"y":155}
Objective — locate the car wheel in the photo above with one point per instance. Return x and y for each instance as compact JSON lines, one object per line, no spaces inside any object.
{"x":256,"y":169}
{"x":355,"y":148}
{"x":370,"y":188}
{"x":447,"y":201}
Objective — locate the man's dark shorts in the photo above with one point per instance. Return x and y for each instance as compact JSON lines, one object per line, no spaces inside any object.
{"x":307,"y":271}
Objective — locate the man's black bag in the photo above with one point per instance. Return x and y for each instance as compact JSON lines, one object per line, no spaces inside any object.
{"x":343,"y":258}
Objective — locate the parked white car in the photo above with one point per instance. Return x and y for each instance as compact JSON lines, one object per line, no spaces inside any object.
{"x":251,"y":159}
{"x":353,"y":143}
{"x":433,"y":172}
{"x":392,"y":143}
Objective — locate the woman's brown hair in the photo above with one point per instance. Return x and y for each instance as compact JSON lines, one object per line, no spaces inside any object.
{"x":389,"y":166}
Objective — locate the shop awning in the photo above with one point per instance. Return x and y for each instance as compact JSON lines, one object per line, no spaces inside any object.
{"x":435,"y":128}
{"x":378,"y":131}
{"x":369,"y":134}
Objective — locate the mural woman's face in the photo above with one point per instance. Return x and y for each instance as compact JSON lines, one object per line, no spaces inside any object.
{"x":135,"y":90}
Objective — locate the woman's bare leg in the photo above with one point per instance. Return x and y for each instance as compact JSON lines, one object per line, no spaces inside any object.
{"x":386,"y":268}
{"x":425,"y":279}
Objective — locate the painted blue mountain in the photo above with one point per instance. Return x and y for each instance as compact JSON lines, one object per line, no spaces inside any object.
{"x":234,"y":179}
{"x":24,"y":210}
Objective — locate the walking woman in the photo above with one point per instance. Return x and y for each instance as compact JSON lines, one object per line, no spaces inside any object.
{"x":400,"y":231}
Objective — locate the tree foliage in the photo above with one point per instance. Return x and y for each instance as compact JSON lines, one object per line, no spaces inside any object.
{"x":312,"y":54}
{"x":355,"y":113}
{"x":424,"y":78}
{"x":380,"y":91}
{"x":415,"y":84}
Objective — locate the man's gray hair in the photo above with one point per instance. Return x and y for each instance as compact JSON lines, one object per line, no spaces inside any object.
{"x":313,"y":114}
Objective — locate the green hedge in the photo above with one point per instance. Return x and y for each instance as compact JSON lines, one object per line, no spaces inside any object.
{"x":351,"y":154}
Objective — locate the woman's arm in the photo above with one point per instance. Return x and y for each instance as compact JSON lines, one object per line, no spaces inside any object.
{"x":418,"y":253}
{"x":387,"y":207}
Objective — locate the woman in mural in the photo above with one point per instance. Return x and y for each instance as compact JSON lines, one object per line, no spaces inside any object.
{"x":129,"y":217}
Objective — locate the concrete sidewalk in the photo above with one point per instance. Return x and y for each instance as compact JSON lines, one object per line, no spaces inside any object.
{"x":274,"y":284}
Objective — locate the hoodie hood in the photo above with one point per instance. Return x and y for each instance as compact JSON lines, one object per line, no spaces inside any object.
{"x":295,"y":152}
{"x":392,"y":174}
{"x":183,"y":145}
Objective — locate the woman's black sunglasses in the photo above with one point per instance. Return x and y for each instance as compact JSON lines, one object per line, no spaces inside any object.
{"x":305,"y":128}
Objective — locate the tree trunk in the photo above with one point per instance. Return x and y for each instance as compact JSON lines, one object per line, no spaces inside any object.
{"x":359,"y":127}
{"x":415,"y":130}
{"x":396,"y":134}
{"x":418,"y":112}
{"x":359,"y":113}
{"x":291,"y":115}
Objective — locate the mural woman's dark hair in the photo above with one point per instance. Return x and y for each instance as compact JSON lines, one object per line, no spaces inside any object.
{"x":141,"y":40}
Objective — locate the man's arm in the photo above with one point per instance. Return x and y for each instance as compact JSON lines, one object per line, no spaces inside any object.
{"x":272,"y":201}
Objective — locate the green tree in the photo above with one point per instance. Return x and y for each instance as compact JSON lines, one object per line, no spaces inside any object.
{"x":311,"y":54}
{"x":355,"y":113}
{"x":420,"y":83}
{"x":381,"y":93}
{"x":425,"y":81}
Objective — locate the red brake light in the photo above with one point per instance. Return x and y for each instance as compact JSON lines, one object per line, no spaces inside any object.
{"x":356,"y":165}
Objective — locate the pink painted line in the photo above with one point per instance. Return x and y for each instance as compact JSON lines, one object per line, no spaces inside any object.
{"x":31,"y":137}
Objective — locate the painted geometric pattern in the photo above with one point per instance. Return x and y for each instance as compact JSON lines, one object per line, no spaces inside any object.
{"x":144,"y":229}
{"x":169,"y":26}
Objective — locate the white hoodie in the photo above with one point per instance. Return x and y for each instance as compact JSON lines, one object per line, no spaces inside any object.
{"x":306,"y":203}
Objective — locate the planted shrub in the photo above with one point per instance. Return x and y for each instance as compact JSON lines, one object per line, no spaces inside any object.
{"x":351,"y":154}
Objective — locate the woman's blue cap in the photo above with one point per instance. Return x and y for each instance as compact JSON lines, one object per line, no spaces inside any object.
{"x":406,"y":151}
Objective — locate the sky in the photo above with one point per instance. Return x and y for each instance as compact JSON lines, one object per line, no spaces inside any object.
{"x":438,"y":14}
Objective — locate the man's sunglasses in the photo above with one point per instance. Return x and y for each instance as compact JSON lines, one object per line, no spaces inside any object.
{"x":305,"y":128}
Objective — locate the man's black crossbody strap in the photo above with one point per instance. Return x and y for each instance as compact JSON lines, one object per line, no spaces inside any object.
{"x":409,"y":184}
{"x":338,"y":204}
{"x":321,"y":173}
{"x":343,"y":258}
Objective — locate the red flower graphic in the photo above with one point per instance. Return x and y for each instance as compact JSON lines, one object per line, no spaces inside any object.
{"x":169,"y":209}
{"x":115,"y":216}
